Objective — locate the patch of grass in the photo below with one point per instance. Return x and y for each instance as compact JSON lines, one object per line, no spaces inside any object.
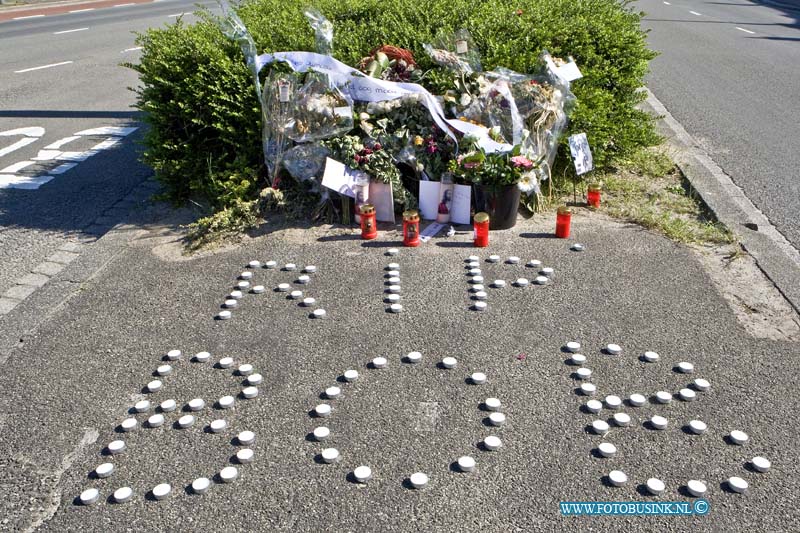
{"x":648,"y":189}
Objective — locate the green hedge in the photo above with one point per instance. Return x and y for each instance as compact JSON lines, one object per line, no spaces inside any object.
{"x":205,"y":129}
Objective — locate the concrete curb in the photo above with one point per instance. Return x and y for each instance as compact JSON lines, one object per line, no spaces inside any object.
{"x":776,"y":257}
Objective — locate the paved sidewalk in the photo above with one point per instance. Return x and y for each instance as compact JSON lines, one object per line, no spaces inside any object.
{"x":71,"y":381}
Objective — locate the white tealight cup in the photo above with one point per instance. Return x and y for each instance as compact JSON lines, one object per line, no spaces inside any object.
{"x":534,"y":264}
{"x":218,"y":425}
{"x":414,"y":357}
{"x":497,"y":419}
{"x":622,"y":419}
{"x":283,"y":287}
{"x":577,"y":359}
{"x":123,"y":494}
{"x":701,"y":384}
{"x":696,"y":488}
{"x":393,"y":266}
{"x":258,"y":289}
{"x":255,"y":379}
{"x":761,"y":464}
{"x":246,"y":275}
{"x":521,"y":282}
{"x":201,"y":485}
{"x":547,"y":272}
{"x":614,"y":349}
{"x":245,"y":456}
{"x":698,"y":427}
{"x":449,"y":362}
{"x":296,"y":295}
{"x":480,"y":296}
{"x":607,"y":449}
{"x":541,"y":280}
{"x":419,"y":480}
{"x":228,"y":474}
{"x":362,"y":474}
{"x":129,"y":424}
{"x":473,"y":258}
{"x":573,"y":346}
{"x":655,"y":486}
{"x":479,"y":306}
{"x":396,"y":308}
{"x":687,"y":395}
{"x":330,"y":455}
{"x":303,"y":280}
{"x":202,"y":357}
{"x":197,"y":404}
{"x":393,"y":251}
{"x":226,"y":402}
{"x":245,"y":370}
{"x":226,"y":362}
{"x":186,"y":421}
{"x":613,"y":402}
{"x":104,"y":470}
{"x":333,"y":392}
{"x":270,"y":264}
{"x":594,"y":406}
{"x":142,"y":406}
{"x":637,"y":400}
{"x":492,"y":443}
{"x":737,"y":484}
{"x":466,"y":463}
{"x":243,"y":285}
{"x":498,"y":283}
{"x":685,"y":368}
{"x":475,"y":272}
{"x":513,"y":260}
{"x":164,"y":370}
{"x":235,"y":295}
{"x":154,"y":386}
{"x":319,"y":313}
{"x":168,"y":406}
{"x":250,"y":392}
{"x":310,"y":269}
{"x":321,"y":433}
{"x":492,"y":404}
{"x":663,"y":397}
{"x":155,"y":421}
{"x":577,"y":247}
{"x":588,"y":389}
{"x":161,"y":491}
{"x":254,"y":264}
{"x":379,"y":362}
{"x":246,"y":438}
{"x":478,"y":378}
{"x":738,"y":437}
{"x":173,"y":355}
{"x":394,"y":289}
{"x":89,"y":496}
{"x":308,"y":302}
{"x":224,"y":315}
{"x":290,"y":267}
{"x":659,"y":422}
{"x":477,"y":288}
{"x":600,"y":427}
{"x":617,"y":478}
{"x":393,"y":274}
{"x":322,"y":410}
{"x":494,"y":259}
{"x":651,"y":357}
{"x":477,"y":279}
{"x":393,"y":298}
{"x":584,"y":373}
{"x":115,"y":447}
{"x":350,"y":375}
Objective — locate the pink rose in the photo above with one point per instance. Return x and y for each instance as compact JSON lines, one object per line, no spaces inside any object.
{"x":520,"y":161}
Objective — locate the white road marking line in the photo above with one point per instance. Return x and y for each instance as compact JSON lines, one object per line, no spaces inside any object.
{"x":108,"y":143}
{"x":34,"y":131}
{"x":60,"y":169}
{"x":82,"y":10}
{"x":27,"y":17}
{"x":131,"y":49}
{"x":47,"y":155}
{"x":176,"y":15}
{"x":17,"y":145}
{"x":43,"y":66}
{"x":59,"y":143}
{"x":69,"y":31}
{"x":124,"y":5}
{"x":695,"y":13}
{"x":667,"y":4}
{"x":744,"y":30}
{"x":11,"y":181}
{"x":118,"y":131}
{"x":76,"y":156}
{"x":11,"y":169}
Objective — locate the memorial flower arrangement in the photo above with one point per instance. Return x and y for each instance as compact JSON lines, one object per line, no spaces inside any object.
{"x":496,"y":169}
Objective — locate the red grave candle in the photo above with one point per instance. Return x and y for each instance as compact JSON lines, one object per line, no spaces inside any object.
{"x":563,"y":220}
{"x":411,"y":228}
{"x":593,"y":196}
{"x":369,"y":229}
{"x":481,"y":230}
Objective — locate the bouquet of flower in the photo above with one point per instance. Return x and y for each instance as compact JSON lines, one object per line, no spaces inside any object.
{"x":496,"y":170}
{"x":320,"y":110}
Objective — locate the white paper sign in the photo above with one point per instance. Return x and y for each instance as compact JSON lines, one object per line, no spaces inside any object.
{"x":429,"y":199}
{"x":430,"y":231}
{"x":581,"y":154}
{"x":462,"y":201}
{"x":339,"y":177}
{"x":380,"y":195}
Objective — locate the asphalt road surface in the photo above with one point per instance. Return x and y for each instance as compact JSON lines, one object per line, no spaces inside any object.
{"x":729,"y":72}
{"x":61,"y":80}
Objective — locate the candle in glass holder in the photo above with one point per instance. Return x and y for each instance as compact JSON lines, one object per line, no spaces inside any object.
{"x":593,"y":195}
{"x":481,"y":230}
{"x":369,"y":229}
{"x":563,"y":220}
{"x":411,"y":228}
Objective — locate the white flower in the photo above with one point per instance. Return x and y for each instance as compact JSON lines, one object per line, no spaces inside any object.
{"x":527,"y":182}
